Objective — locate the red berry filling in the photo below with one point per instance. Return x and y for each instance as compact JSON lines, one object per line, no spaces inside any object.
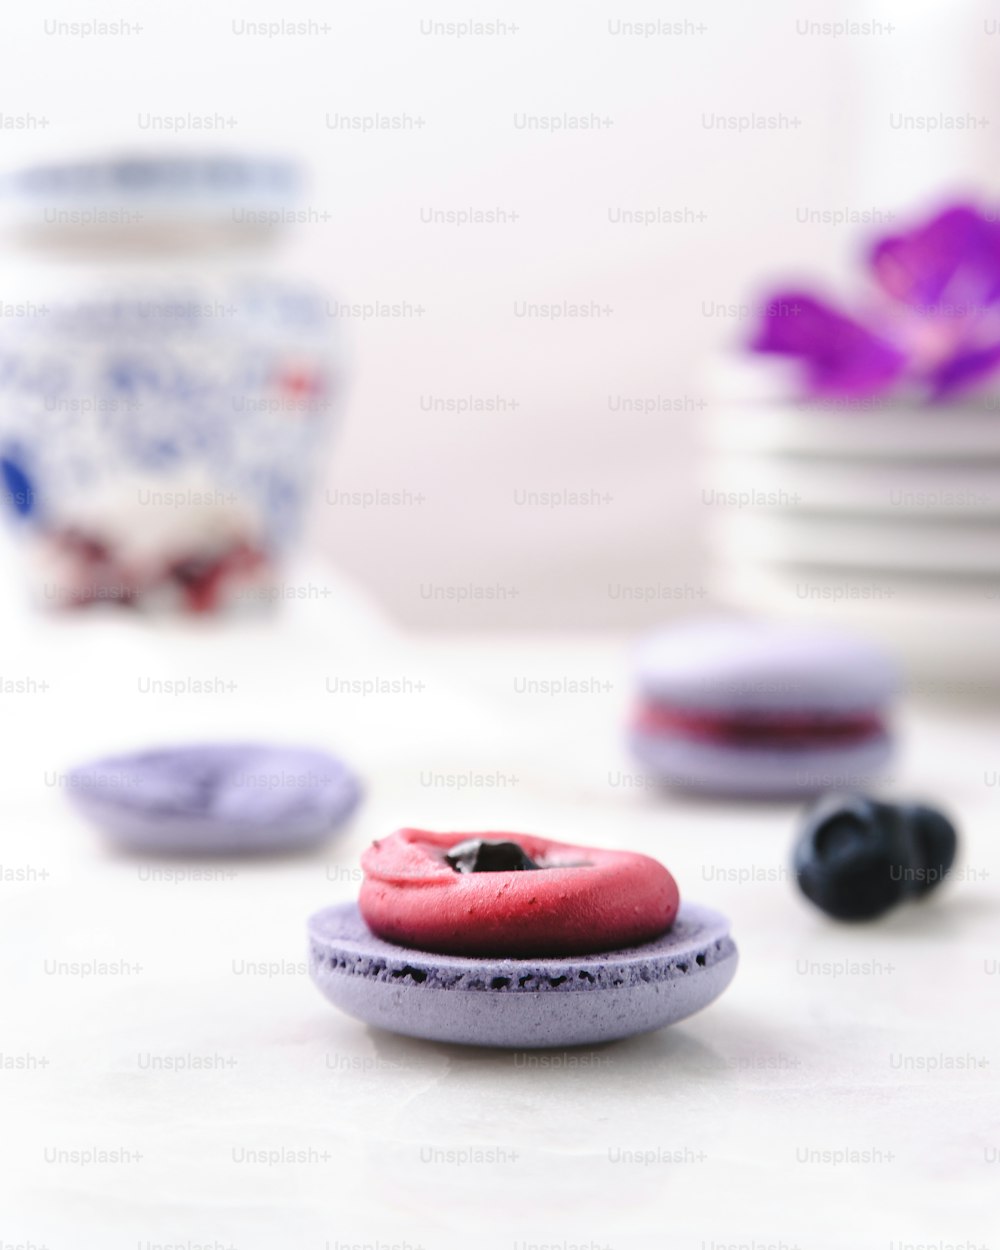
{"x":94,"y":573}
{"x":574,"y":900}
{"x":204,"y":580}
{"x":759,"y":728}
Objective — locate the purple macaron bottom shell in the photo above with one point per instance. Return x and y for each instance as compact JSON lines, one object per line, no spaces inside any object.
{"x":521,"y":1003}
{"x":216,"y":798}
{"x":716,"y":768}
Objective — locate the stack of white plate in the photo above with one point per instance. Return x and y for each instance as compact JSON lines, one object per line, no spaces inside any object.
{"x":883,"y":516}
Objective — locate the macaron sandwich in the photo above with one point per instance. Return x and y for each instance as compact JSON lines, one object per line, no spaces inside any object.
{"x":746,"y":707}
{"x":514,"y":940}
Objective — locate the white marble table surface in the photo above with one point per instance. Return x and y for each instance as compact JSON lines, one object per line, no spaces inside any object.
{"x":843,"y":1092}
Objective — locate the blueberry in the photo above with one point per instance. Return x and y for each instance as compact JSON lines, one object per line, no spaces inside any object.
{"x":856,"y":858}
{"x":480,"y":855}
{"x":935,"y":844}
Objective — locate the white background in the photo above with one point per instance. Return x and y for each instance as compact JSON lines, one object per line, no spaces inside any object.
{"x":552,"y":566}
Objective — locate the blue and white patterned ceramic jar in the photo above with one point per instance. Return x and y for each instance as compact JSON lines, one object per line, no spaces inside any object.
{"x":165,"y":385}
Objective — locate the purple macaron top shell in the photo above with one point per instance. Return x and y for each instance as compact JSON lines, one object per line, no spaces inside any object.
{"x":216,"y":798}
{"x":725,"y":665}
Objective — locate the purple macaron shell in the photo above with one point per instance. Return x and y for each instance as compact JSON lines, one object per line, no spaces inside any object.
{"x":733,"y":664}
{"x":521,"y":1003}
{"x":216,"y":798}
{"x":758,"y":772}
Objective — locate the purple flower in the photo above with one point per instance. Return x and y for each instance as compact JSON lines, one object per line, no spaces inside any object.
{"x":840,"y":356}
{"x":954,"y":258}
{"x":935,"y":322}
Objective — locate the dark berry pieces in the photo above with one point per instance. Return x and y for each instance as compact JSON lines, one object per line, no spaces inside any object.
{"x":856,"y":858}
{"x":480,"y":855}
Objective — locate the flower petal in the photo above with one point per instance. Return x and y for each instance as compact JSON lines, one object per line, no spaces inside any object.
{"x":964,"y":369}
{"x":841,"y":356}
{"x":948,"y":267}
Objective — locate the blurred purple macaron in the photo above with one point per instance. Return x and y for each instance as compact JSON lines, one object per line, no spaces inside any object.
{"x":751,"y":707}
{"x":216,"y":799}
